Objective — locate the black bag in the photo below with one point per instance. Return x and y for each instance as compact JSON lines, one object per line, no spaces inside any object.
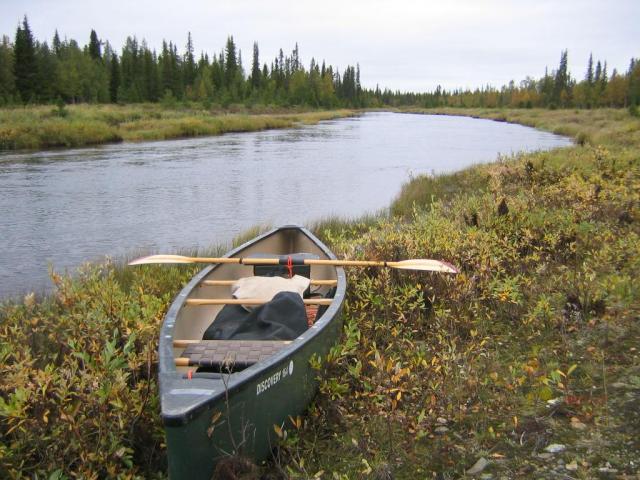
{"x":283,"y":318}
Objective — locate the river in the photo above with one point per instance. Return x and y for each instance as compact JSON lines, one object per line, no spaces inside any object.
{"x":64,"y":207}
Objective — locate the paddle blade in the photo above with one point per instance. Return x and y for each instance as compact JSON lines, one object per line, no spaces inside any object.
{"x":161,"y":259}
{"x":425,"y":265}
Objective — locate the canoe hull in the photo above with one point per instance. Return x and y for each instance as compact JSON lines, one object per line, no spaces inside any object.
{"x":208,"y":420}
{"x":280,"y":392}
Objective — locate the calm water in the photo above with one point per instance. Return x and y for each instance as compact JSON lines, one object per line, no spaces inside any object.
{"x":68,"y":206}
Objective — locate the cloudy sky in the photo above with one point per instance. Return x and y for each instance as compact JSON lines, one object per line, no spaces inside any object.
{"x":400,"y":44}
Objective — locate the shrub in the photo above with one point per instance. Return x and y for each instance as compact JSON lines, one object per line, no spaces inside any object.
{"x":78,"y":392}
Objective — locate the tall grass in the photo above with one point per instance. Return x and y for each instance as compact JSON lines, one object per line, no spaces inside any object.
{"x":606,"y":127}
{"x":595,"y":127}
{"x":77,"y":125}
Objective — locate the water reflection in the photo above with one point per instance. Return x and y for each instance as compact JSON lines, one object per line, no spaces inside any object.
{"x":68,"y":206}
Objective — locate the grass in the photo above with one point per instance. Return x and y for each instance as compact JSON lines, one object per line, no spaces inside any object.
{"x":535,"y":342}
{"x":592,"y":127}
{"x":604,"y":127}
{"x":78,"y":125}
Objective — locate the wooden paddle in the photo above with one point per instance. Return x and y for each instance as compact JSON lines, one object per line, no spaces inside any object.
{"x":413,"y":264}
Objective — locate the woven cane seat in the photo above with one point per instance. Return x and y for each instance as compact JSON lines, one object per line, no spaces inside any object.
{"x":231,"y":354}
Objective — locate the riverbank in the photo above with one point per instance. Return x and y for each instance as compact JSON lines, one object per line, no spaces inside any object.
{"x":611,"y":128}
{"x":41,"y":127}
{"x":603,"y":126}
{"x":526,"y":363}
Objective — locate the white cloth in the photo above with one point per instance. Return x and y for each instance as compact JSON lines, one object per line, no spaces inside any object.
{"x":265,"y":288}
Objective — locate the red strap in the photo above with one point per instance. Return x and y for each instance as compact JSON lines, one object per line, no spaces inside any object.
{"x":290,"y":265}
{"x":189,"y":374}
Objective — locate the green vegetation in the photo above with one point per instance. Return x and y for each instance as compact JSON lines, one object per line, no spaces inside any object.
{"x":535,"y":343}
{"x":77,"y":125}
{"x":610,"y":127}
{"x":78,"y":390}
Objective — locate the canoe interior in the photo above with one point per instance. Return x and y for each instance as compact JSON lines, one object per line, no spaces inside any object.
{"x":192,"y":321}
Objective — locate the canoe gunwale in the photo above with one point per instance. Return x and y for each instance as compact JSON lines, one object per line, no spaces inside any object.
{"x":188,"y":398}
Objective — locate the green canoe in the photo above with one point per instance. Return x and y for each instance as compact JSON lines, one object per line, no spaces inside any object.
{"x":224,"y":397}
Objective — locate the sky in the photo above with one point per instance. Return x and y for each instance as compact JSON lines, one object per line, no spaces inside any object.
{"x":401,"y":44}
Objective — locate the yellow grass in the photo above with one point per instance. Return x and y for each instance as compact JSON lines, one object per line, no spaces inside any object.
{"x":45,"y":127}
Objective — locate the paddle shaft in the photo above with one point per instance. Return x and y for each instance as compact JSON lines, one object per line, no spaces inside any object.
{"x":306,"y":261}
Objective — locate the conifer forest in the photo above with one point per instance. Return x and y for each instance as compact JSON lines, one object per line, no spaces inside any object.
{"x":64,"y":70}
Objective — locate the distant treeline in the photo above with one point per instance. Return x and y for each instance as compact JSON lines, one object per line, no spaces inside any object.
{"x":34,"y":72}
{"x":557,"y":89}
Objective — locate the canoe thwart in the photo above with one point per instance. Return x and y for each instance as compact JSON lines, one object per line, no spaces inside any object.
{"x":220,"y":283}
{"x":228,"y":354}
{"x":248,"y":301}
{"x":184,"y":343}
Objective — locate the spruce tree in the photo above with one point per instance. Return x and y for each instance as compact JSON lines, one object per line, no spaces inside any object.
{"x":255,"y":67}
{"x":56,"y":44}
{"x":231,"y":63}
{"x":598,"y":74}
{"x":561,"y":82}
{"x":94,"y":46}
{"x":295,"y":59}
{"x":189,"y":64}
{"x":170,"y":72}
{"x":603,"y":79}
{"x":176,"y":67}
{"x":589,"y":76}
{"x":150,"y":78}
{"x":131,"y":82}
{"x":114,"y":80}
{"x":280,"y":74}
{"x":25,"y":67}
